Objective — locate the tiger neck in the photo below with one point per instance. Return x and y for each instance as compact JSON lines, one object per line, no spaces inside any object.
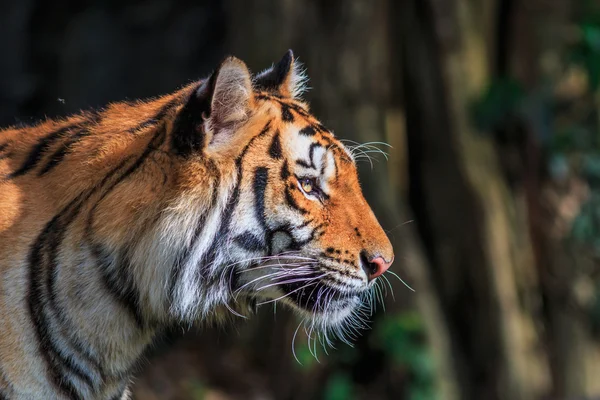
{"x":98,"y":301}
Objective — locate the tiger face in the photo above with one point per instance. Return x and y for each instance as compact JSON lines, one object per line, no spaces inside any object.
{"x":311,"y":217}
{"x":300,"y":231}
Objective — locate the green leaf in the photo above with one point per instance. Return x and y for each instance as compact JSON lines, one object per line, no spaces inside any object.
{"x":402,"y":337}
{"x":502,"y":100}
{"x":594,"y":312}
{"x":592,"y":64}
{"x":306,"y":359}
{"x":197,"y":390}
{"x":591,"y":168}
{"x":339,"y":387}
{"x":591,"y":36}
{"x":582,"y":228}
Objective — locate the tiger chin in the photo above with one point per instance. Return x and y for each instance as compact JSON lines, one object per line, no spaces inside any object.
{"x":118,"y":223}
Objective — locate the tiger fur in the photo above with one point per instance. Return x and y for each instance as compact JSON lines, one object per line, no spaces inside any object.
{"x":118,"y":223}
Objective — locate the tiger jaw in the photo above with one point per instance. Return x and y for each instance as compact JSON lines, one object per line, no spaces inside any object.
{"x":320,"y":299}
{"x":320,"y":294}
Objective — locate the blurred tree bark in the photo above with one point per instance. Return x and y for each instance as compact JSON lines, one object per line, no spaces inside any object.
{"x":475,"y":262}
{"x":529,"y":48}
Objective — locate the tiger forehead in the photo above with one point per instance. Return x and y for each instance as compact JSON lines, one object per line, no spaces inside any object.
{"x":290,"y":109}
{"x":293,"y":111}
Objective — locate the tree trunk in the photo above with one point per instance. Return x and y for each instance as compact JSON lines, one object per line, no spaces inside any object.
{"x":573,"y":352}
{"x":462,"y":205}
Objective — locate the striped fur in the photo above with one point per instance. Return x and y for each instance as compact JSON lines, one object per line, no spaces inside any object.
{"x":118,"y":223}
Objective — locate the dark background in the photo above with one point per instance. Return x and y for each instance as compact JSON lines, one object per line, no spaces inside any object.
{"x":490,"y":194}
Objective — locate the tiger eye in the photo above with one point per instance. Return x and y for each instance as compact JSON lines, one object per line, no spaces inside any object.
{"x":307,"y":186}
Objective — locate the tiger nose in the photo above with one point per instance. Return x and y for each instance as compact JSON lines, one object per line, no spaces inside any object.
{"x":375,"y":266}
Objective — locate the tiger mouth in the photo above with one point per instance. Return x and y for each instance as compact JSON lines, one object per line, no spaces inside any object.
{"x":319,"y":298}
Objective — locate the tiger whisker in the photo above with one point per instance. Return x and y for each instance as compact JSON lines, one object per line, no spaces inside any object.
{"x":282,"y":272}
{"x":308,"y":262}
{"x":285,"y":295}
{"x":288,"y":254}
{"x":400,"y":279}
{"x":284,"y":283}
{"x":305,"y":279}
{"x":390,"y":286}
{"x":294,"y":340}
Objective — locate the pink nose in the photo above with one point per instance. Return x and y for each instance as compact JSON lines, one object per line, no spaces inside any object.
{"x":377,"y":266}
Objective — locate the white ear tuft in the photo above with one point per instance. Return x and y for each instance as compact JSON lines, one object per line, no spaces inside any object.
{"x":298,"y":81}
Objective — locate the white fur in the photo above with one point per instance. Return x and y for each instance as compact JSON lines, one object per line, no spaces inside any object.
{"x":298,"y":80}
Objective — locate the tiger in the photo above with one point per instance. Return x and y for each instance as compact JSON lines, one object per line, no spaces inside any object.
{"x":119,"y":223}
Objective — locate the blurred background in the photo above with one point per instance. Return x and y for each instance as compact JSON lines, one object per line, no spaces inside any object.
{"x":491,"y":193}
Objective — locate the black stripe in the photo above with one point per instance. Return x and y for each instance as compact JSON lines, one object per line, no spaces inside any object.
{"x":299,"y":110}
{"x":262,"y":96}
{"x":37,"y":260}
{"x":64,"y":149}
{"x":261,"y":178}
{"x":321,"y":128}
{"x":248,"y":241}
{"x":311,"y":153}
{"x":305,"y":164}
{"x":118,"y":282}
{"x":275,"y":148}
{"x":335,"y":165}
{"x":308,"y":131}
{"x":329,"y":143}
{"x":285,"y":171}
{"x":156,"y":118}
{"x":286,"y":114}
{"x":187,"y":136}
{"x":38,"y":151}
{"x":3,"y":146}
{"x":289,"y":198}
{"x":157,"y":140}
{"x":68,"y":333}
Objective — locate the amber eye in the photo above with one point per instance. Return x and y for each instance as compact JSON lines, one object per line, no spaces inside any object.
{"x":308,"y":185}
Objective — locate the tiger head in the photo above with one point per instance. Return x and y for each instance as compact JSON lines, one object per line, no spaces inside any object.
{"x":291,"y":224}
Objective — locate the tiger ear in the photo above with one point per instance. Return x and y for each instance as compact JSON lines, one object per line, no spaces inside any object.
{"x":286,"y":78}
{"x":229,"y":93}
